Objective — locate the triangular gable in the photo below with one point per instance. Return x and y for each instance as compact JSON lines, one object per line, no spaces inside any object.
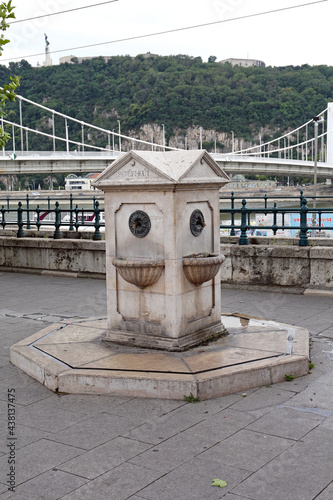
{"x":204,"y":168}
{"x":157,"y":167}
{"x":131,"y":167}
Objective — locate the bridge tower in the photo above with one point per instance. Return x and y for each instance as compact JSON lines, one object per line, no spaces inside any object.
{"x":329,"y":136}
{"x":330,"y":133}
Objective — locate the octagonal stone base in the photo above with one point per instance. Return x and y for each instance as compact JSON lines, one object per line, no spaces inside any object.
{"x":72,"y":358}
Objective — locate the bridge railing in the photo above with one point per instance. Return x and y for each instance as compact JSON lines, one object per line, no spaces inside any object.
{"x":297,"y":144}
{"x":286,"y":221}
{"x":60,"y":131}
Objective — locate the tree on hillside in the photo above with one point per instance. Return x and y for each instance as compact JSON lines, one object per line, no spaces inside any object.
{"x":7,"y":93}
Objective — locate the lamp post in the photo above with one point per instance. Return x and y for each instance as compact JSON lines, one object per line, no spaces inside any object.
{"x":316,"y":121}
{"x":232,"y":141}
{"x":119,"y":136}
{"x":185,"y":141}
{"x":113,"y":140}
{"x":200,"y":137}
{"x":163,"y":138}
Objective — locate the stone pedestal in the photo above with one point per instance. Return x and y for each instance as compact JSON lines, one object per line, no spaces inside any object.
{"x":162,"y":248}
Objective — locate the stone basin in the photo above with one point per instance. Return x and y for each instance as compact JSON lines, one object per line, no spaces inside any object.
{"x":202,"y":267}
{"x":139,"y":272}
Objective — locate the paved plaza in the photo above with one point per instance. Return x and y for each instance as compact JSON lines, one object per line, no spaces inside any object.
{"x":270,"y":443}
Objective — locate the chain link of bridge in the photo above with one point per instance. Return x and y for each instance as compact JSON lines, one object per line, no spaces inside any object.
{"x":72,"y":146}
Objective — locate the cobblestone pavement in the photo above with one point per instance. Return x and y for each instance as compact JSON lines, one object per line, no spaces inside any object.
{"x":272,"y":443}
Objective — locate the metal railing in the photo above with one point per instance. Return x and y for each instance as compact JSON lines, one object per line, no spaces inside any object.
{"x":29,"y":215}
{"x":300,"y":224}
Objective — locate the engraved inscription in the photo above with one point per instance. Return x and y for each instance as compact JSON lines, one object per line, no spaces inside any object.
{"x":134,"y":174}
{"x":139,"y":223}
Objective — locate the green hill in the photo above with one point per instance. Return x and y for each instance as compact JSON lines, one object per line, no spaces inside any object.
{"x":179,"y":91}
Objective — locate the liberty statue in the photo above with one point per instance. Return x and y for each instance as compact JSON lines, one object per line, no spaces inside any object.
{"x":48,"y":60}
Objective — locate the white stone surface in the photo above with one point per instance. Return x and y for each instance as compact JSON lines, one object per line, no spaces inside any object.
{"x":168,"y":187}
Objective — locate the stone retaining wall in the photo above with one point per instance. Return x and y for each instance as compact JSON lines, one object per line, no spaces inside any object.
{"x":291,"y":267}
{"x":45,"y":255}
{"x":288,"y":267}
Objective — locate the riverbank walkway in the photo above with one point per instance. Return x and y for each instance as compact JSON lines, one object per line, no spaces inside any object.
{"x":272,"y":442}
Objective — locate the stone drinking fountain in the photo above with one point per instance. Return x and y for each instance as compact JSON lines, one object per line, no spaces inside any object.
{"x":164,"y":336}
{"x":163,"y":248}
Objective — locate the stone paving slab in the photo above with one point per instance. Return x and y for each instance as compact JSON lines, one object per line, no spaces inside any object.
{"x":273,"y":430}
{"x":302,"y":472}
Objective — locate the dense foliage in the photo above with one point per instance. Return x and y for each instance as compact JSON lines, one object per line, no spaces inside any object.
{"x":7,"y":90}
{"x":178,"y":91}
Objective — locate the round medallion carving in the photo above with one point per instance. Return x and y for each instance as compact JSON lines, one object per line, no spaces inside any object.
{"x":139,"y":223}
{"x":197,"y":222}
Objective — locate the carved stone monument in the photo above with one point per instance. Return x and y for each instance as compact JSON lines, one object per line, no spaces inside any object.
{"x":162,"y":248}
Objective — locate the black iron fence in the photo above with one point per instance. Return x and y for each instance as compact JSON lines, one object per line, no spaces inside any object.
{"x":49,"y":214}
{"x":300,"y":224}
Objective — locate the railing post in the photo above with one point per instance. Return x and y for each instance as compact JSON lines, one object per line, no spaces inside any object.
{"x":97,"y":233}
{"x":243,"y":240}
{"x":303,"y":239}
{"x":28,"y":213}
{"x":275,"y":226}
{"x":20,"y":232}
{"x":77,"y":224}
{"x":3,"y":219}
{"x":57,"y":233}
{"x":232,"y":232}
{"x":71,"y":227}
{"x":38,"y":222}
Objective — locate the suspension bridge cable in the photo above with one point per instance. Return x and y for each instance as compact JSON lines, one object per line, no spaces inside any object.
{"x":172,"y":30}
{"x":62,"y":12}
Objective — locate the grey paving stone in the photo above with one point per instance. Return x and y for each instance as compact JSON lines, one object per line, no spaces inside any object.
{"x":223,"y":424}
{"x":317,"y":395}
{"x":37,"y":392}
{"x":86,"y":402}
{"x":263,"y":398}
{"x":193,"y":481}
{"x":95,"y":431}
{"x":175,"y":451}
{"x":50,"y":485}
{"x":328,"y":333}
{"x":27,"y":435}
{"x":299,"y":384}
{"x":39,"y":457}
{"x":49,"y":419}
{"x":287,"y":422}
{"x":317,"y":323}
{"x":328,"y":423}
{"x":3,"y":488}
{"x":12,"y":377}
{"x":146,"y":408}
{"x":327,"y":493}
{"x":104,"y":458}
{"x":247,"y":450}
{"x":231,"y":496}
{"x":310,"y":302}
{"x":301,"y":472}
{"x":118,"y":484}
{"x":161,"y":428}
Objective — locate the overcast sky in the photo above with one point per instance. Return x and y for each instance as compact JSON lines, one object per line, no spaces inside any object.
{"x":293,"y":37}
